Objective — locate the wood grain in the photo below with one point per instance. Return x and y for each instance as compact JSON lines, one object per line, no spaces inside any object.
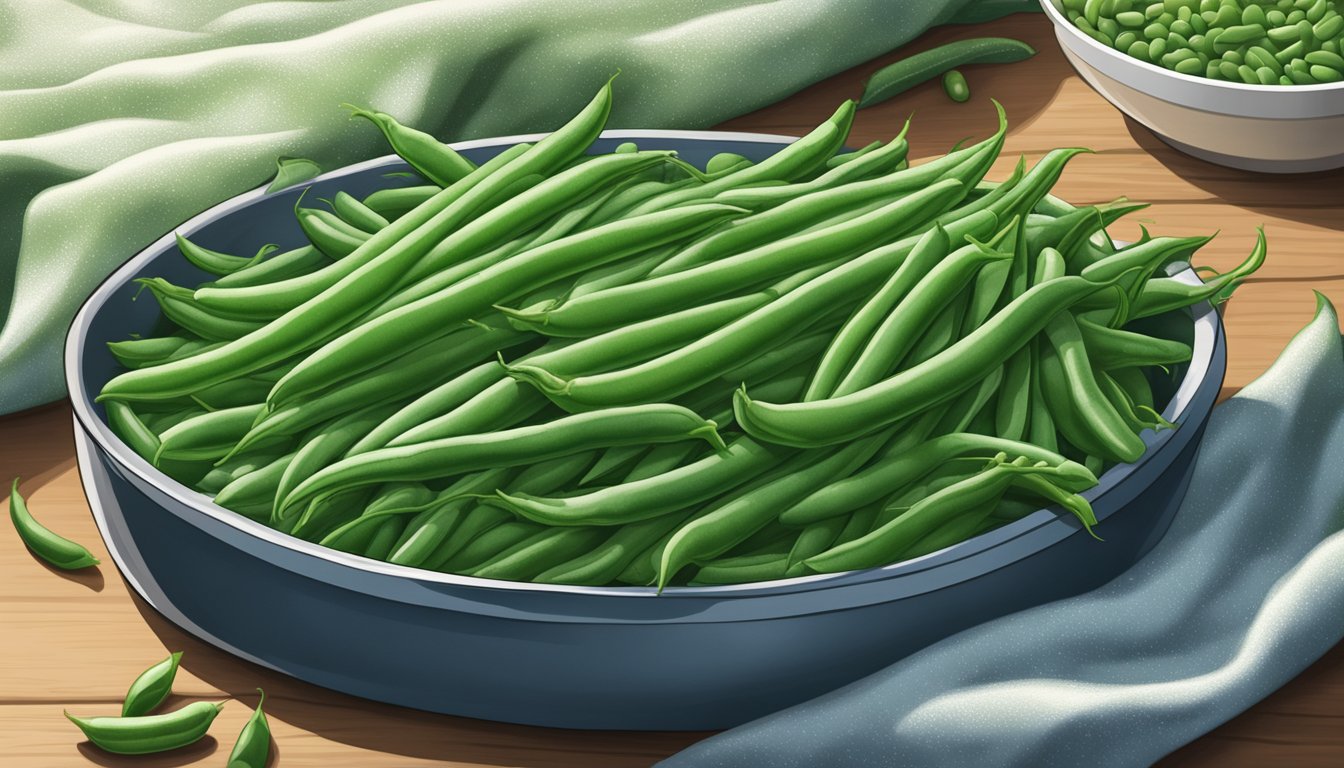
{"x":76,"y":641}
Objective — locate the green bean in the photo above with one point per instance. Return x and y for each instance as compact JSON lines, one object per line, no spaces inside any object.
{"x":1041,"y":429}
{"x":253,"y":747}
{"x":660,"y":459}
{"x":650,"y":497}
{"x":926,"y":515}
{"x":957,"y":414}
{"x":954,"y":531}
{"x":927,"y":253}
{"x":941,"y":332}
{"x":282,"y":266}
{"x":1077,"y":404}
{"x":41,"y":541}
{"x":434,"y":403}
{"x":126,"y":424}
{"x":380,"y":546}
{"x":791,"y":162}
{"x":149,"y":733}
{"x":228,"y":471}
{"x":900,"y":330}
{"x":396,"y":202}
{"x":386,"y":257}
{"x":209,"y":436}
{"x":816,"y":538}
{"x":323,"y":447}
{"x":151,"y":687}
{"x":357,"y":214}
{"x":329,"y":234}
{"x":954,"y":85}
{"x":371,"y":343}
{"x":426,"y":533}
{"x":904,"y":462}
{"x":939,"y":379}
{"x":724,"y":161}
{"x":434,"y":160}
{"x":1115,"y":348}
{"x":905,"y":74}
{"x":728,"y":524}
{"x":217,"y":263}
{"x":1014,"y":405}
{"x":141,"y":353}
{"x":841,"y":157}
{"x":177,"y":305}
{"x":740,"y":570}
{"x":496,"y":540}
{"x":605,"y":564}
{"x":1123,"y":405}
{"x":253,"y":494}
{"x":407,"y":375}
{"x":521,"y":445}
{"x":541,"y":552}
{"x":613,"y":460}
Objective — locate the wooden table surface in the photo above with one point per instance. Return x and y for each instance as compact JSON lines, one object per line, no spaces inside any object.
{"x":76,"y":641}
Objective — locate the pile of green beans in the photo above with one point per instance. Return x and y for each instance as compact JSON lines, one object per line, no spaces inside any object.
{"x":567,"y":368}
{"x":1259,"y":42}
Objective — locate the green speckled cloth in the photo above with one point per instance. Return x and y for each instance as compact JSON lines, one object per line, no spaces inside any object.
{"x":121,"y":119}
{"x":1245,"y":590}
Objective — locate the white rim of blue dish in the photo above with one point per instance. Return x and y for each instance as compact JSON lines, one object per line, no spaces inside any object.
{"x":1266,"y":102}
{"x":1205,"y":335}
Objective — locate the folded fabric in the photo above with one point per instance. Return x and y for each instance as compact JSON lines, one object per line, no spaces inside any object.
{"x":1245,"y":590}
{"x":120,"y":121}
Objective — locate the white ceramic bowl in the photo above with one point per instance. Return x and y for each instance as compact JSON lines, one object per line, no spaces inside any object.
{"x":1267,"y":128}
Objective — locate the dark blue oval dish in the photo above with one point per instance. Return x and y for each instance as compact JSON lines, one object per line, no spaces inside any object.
{"x":572,"y":657}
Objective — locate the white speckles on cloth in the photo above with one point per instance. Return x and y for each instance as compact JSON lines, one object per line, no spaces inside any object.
{"x":119,"y":121}
{"x":1245,"y":591}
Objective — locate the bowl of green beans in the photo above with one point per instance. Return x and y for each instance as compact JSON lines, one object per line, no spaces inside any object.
{"x":668,"y":430}
{"x":1250,"y":84}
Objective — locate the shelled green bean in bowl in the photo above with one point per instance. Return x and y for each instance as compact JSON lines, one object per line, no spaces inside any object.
{"x":1249,"y":84}
{"x":553,"y":424}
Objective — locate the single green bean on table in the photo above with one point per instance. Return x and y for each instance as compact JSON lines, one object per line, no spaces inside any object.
{"x":41,"y":541}
{"x":148,"y":734}
{"x":927,"y":355}
{"x":901,"y":76}
{"x":151,"y":687}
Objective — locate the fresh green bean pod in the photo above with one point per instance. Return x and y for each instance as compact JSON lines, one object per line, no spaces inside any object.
{"x":151,"y":687}
{"x":209,"y":436}
{"x":905,"y":74}
{"x":292,"y":263}
{"x":717,"y":531}
{"x":434,"y":160}
{"x":217,"y":263}
{"x":521,"y":445}
{"x":543,"y":551}
{"x":178,"y":306}
{"x":907,"y":461}
{"x":1077,"y":404}
{"x":149,"y":733}
{"x":329,"y":234}
{"x":931,"y":249}
{"x":357,"y":214}
{"x":651,"y":497}
{"x":900,"y":330}
{"x":1116,"y":348}
{"x":41,"y":541}
{"x":826,"y":422}
{"x":253,"y":747}
{"x":394,"y":203}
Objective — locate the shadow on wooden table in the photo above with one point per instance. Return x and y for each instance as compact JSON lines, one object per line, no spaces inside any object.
{"x":1310,"y":198}
{"x":184,"y":756}
{"x":412,"y":733}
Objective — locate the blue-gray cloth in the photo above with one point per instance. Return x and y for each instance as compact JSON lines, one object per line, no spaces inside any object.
{"x":119,"y":121}
{"x":1245,"y":590}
